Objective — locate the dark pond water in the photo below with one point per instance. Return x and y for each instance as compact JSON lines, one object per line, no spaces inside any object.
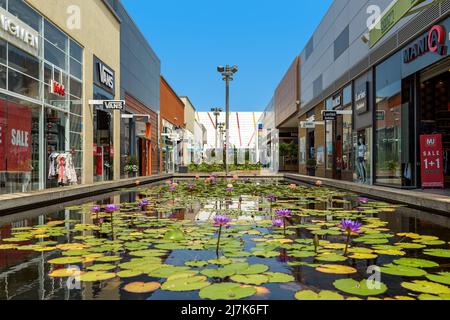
{"x":24,"y":274}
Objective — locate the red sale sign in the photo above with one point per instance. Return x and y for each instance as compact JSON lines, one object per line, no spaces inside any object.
{"x":3,"y":135}
{"x":432,"y":161}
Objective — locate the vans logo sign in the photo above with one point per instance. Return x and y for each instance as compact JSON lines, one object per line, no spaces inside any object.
{"x":434,"y":41}
{"x":106,"y":76}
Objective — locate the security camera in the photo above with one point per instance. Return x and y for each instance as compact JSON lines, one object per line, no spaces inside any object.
{"x":365,"y":37}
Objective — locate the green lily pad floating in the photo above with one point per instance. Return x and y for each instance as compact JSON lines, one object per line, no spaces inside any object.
{"x":236,"y":254}
{"x":416,"y":263}
{"x":148,"y":253}
{"x":363,"y":288}
{"x":129,"y":273}
{"x":401,"y":270}
{"x":93,"y":276}
{"x":174,"y":235}
{"x":109,"y":259}
{"x":196,"y":263}
{"x":101,"y":267}
{"x":442,"y":277}
{"x":227,"y":291}
{"x":246,"y":269}
{"x":221,"y":261}
{"x":256,"y":279}
{"x":167,"y":271}
{"x":186,"y":284}
{"x":66,"y":260}
{"x":279,"y":277}
{"x":425,"y":296}
{"x":410,"y":245}
{"x":218,"y":273}
{"x":441,"y":253}
{"x":302,"y":254}
{"x":266,"y":254}
{"x":426,"y":287}
{"x":322,"y":295}
{"x":331,"y":257}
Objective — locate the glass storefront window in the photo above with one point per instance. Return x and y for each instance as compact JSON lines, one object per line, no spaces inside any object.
{"x":22,"y":84}
{"x":76,"y":106}
{"x":329,"y":145}
{"x":2,"y":77}
{"x":2,"y":52}
{"x":347,"y":142}
{"x":54,"y":36}
{"x":3,"y":4}
{"x":23,"y":62}
{"x":76,"y":88}
{"x":76,"y":51}
{"x":55,"y":138}
{"x":19,"y":146}
{"x":388,"y":124}
{"x":25,"y":13}
{"x":54,"y":55}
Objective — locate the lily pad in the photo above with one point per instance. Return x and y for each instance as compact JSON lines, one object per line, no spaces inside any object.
{"x":336,"y":269}
{"x":441,"y":253}
{"x":363,"y":288}
{"x":129,"y":273}
{"x":142,"y":287}
{"x":279,"y":277}
{"x":167,"y":271}
{"x":401,"y":270}
{"x":93,"y":276}
{"x":227,"y":291}
{"x":416,"y":263}
{"x":64,"y":273}
{"x":426,"y":287}
{"x":186,"y":284}
{"x":66,"y":260}
{"x":221,"y":261}
{"x":256,"y":279}
{"x":218,"y":273}
{"x":196,"y":263}
{"x":442,"y":277}
{"x":331,"y":257}
{"x":322,"y":295}
{"x":101,"y":267}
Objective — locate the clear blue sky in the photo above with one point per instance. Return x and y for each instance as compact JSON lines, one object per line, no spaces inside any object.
{"x":193,"y":37}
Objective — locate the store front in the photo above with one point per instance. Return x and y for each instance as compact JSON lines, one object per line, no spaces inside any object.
{"x":104,"y":89}
{"x":41,"y":82}
{"x":412,"y":95}
{"x":340,"y":158}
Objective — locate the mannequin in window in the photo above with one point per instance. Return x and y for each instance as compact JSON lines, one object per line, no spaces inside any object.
{"x":361,"y":163}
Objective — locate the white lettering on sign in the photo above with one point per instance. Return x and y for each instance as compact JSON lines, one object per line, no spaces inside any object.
{"x":106,"y":76}
{"x":12,"y":29}
{"x":431,"y":142}
{"x":19,"y":138}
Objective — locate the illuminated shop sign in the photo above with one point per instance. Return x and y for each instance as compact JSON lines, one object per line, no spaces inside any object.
{"x":104,"y":75}
{"x":18,"y":33}
{"x":434,"y":41}
{"x":57,"y":88}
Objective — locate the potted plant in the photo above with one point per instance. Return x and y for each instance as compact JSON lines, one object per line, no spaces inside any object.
{"x":311,"y":166}
{"x":132,"y":166}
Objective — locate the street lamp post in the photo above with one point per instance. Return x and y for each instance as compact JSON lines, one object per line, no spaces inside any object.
{"x":216,"y":112}
{"x":227,"y":74}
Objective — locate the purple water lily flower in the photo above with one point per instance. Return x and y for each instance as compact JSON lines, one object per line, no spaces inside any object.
{"x":221,"y":220}
{"x":350,"y":226}
{"x":283,"y":213}
{"x":278,"y":222}
{"x":271,"y":198}
{"x":229,"y":190}
{"x":95,"y":209}
{"x":173,"y":188}
{"x":363,"y":200}
{"x":111,"y":208}
{"x":190,"y":186}
{"x":144,"y":202}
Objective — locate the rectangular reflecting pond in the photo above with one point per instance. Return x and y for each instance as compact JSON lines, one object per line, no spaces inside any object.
{"x":217,"y":239}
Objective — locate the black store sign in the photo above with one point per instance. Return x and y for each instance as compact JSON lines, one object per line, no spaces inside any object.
{"x":104,"y":76}
{"x":329,"y":115}
{"x":362,"y":98}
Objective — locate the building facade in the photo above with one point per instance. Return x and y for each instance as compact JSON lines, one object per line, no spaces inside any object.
{"x":51,"y":65}
{"x":383,"y":95}
{"x":140,"y":76}
{"x":172,"y":128}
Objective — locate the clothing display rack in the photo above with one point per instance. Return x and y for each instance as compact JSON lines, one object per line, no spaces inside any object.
{"x":61,"y":168}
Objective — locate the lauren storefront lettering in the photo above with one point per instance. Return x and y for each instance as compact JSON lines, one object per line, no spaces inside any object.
{"x":17,"y":32}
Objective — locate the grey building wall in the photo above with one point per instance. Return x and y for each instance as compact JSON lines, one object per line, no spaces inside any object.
{"x":336,"y":45}
{"x":140,"y":66}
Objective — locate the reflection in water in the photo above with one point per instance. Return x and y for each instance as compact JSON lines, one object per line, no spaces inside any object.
{"x":24,"y":274}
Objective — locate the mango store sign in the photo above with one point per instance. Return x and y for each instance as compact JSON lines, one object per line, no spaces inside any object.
{"x":18,"y":33}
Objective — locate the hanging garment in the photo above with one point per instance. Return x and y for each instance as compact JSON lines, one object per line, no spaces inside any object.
{"x":70,"y":172}
{"x":52,"y":173}
{"x":60,"y":166}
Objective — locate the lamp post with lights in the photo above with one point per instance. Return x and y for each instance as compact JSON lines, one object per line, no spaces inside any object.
{"x":227,"y":73}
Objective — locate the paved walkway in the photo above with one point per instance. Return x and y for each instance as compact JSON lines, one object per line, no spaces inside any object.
{"x":416,"y":198}
{"x":11,"y":203}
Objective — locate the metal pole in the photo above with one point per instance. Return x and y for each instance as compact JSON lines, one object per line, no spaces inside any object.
{"x":227,"y":122}
{"x":215,"y":113}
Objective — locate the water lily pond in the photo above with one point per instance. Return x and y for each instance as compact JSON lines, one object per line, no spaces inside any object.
{"x":218,"y":239}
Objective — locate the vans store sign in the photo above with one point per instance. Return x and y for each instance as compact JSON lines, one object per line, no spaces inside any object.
{"x":104,"y":76}
{"x":18,"y":33}
{"x":433,"y":42}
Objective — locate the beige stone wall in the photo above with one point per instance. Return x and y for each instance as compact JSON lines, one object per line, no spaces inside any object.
{"x":189,"y":114}
{"x":99,"y":35}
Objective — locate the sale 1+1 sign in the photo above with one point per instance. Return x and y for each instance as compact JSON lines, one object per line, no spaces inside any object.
{"x":432,"y":161}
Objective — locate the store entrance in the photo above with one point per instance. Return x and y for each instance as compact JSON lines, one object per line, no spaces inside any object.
{"x":103,"y":141}
{"x":434,"y":109}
